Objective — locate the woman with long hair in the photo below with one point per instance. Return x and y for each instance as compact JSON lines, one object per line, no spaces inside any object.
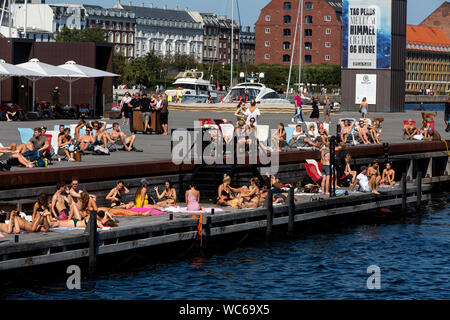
{"x":124,"y":108}
{"x":279,"y":137}
{"x":193,"y":198}
{"x":169,"y":195}
{"x":40,"y":206}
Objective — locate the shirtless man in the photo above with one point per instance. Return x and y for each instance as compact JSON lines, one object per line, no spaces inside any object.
{"x":87,"y":140}
{"x":346,"y":128}
{"x":362,"y":132}
{"x":100,"y":135}
{"x":127,"y":142}
{"x":326,"y":169}
{"x":374,"y":176}
{"x":373,"y":133}
{"x":388,"y":175}
{"x":60,"y":202}
{"x":409,"y":129}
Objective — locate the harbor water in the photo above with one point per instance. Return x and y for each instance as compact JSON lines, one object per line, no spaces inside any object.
{"x":411,"y":252}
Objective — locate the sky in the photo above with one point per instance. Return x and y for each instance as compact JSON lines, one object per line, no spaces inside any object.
{"x":249,"y":9}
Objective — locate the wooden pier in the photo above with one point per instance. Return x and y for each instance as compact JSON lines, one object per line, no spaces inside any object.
{"x":424,"y":166}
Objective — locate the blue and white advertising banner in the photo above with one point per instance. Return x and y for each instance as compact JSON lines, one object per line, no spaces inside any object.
{"x":366,"y":28}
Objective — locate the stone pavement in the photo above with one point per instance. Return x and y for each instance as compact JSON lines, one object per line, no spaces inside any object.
{"x":157,"y":147}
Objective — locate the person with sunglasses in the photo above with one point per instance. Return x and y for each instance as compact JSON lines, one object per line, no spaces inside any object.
{"x":87,"y":140}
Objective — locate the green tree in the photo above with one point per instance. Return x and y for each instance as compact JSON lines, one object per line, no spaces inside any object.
{"x":119,"y":66}
{"x":75,"y":35}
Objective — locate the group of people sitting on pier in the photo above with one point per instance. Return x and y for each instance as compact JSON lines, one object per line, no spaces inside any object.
{"x":89,"y":137}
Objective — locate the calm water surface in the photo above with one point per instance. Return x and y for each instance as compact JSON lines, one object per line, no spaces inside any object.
{"x":412,"y":253}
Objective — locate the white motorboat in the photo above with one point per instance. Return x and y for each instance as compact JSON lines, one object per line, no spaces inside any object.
{"x":191,"y":86}
{"x":247,"y":91}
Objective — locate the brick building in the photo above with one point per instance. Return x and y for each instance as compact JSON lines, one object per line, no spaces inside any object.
{"x":427,"y":59}
{"x":119,"y":26}
{"x":322,"y":25}
{"x":440,"y":18}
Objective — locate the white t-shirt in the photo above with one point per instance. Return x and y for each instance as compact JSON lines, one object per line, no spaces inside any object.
{"x":250,"y":115}
{"x":363,"y":182}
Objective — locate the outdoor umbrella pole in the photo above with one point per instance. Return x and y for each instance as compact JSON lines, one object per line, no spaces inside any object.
{"x":32,"y":102}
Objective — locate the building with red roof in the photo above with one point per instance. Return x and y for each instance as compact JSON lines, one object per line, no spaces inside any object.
{"x":427,"y":59}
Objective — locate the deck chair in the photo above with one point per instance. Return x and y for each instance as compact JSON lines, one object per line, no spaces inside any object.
{"x":312,"y":170}
{"x":262,"y":133}
{"x":289,"y":133}
{"x":25,"y":134}
{"x":202,"y":120}
{"x":308,"y":124}
{"x":218,"y":121}
{"x":352,"y":136}
{"x":54,"y":140}
{"x":227,"y":129}
{"x":326,"y":126}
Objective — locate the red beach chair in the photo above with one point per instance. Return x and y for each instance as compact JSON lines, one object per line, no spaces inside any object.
{"x":312,"y":172}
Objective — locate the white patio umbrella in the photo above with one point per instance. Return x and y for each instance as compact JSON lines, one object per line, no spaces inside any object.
{"x":88,"y":72}
{"x":47,"y":70}
{"x":8,"y":70}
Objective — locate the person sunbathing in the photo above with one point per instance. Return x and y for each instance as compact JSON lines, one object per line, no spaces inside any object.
{"x":374,"y":176}
{"x":117,"y":135}
{"x":40,"y":224}
{"x":100,"y":135}
{"x":388,"y":176}
{"x":169,"y":195}
{"x":11,"y":226}
{"x":61,"y":203}
{"x":251,"y":132}
{"x":65,"y":145}
{"x":279,"y":137}
{"x":346,"y":128}
{"x":40,"y":206}
{"x":87,"y":140}
{"x":103,"y":220}
{"x":226,"y":194}
{"x":7,"y":155}
{"x":409,"y":129}
{"x":362,"y":132}
{"x":116,"y":195}
{"x":250,"y":195}
{"x":373,"y":132}
{"x":141,"y":198}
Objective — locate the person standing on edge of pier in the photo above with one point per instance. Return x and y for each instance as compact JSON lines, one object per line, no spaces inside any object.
{"x":134,"y":104}
{"x":447,"y":115}
{"x":326,"y":168}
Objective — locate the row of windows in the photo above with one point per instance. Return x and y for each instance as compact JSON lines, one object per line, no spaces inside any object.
{"x":427,"y":77}
{"x":308,"y":32}
{"x":433,"y":86}
{"x":427,"y":67}
{"x":120,"y":38}
{"x":288,"y":5}
{"x":308,"y":19}
{"x":287,"y":58}
{"x":308,"y":45}
{"x":125,"y":50}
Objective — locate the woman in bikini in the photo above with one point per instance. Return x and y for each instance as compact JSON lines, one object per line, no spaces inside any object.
{"x":11,"y":226}
{"x":116,"y":194}
{"x":252,"y":194}
{"x":227,"y":195}
{"x":169,"y":194}
{"x":250,"y":132}
{"x":41,"y":206}
{"x":104,"y":219}
{"x":279,"y":137}
{"x":388,"y":176}
{"x":364,"y":108}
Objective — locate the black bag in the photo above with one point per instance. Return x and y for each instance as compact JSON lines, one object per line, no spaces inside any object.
{"x":5,"y":166}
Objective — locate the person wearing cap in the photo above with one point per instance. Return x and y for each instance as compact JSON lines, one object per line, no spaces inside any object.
{"x":362,"y":180}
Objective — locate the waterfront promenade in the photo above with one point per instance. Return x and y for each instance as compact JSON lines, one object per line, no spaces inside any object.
{"x":157,"y":147}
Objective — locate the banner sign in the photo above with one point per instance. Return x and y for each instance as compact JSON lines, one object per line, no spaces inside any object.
{"x":366,"y":27}
{"x":366,"y":87}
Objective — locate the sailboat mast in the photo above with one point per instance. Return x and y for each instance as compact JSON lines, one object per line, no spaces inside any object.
{"x":301,"y":48}
{"x":293,"y":51}
{"x":232,"y":41}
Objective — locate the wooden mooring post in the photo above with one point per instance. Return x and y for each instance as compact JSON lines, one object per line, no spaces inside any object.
{"x":419,"y":190}
{"x":404,"y":193}
{"x":93,"y":239}
{"x":291,"y":212}
{"x":269,"y":207}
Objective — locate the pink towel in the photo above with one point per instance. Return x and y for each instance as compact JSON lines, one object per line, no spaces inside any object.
{"x":148,"y":210}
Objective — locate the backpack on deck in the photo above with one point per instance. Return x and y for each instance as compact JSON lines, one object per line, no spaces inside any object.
{"x":42,"y":162}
